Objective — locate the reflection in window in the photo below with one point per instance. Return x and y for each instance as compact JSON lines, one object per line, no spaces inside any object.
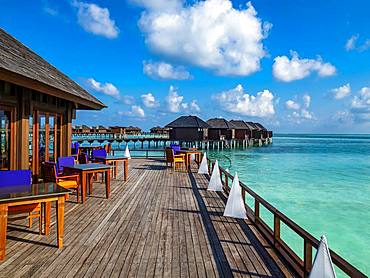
{"x":4,"y":140}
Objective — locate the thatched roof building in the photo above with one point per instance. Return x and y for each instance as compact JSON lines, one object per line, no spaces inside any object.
{"x":188,"y":128}
{"x":220,"y":129}
{"x":242,"y":130}
{"x":36,"y":100}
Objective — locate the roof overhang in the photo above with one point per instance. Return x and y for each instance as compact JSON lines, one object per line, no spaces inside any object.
{"x":81,"y":103}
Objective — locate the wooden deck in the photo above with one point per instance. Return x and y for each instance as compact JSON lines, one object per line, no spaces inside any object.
{"x":158,"y":223}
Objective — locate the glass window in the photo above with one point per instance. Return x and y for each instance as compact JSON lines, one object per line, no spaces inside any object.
{"x":5,"y":132}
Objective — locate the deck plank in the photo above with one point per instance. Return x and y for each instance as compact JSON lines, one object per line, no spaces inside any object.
{"x":159,"y":223}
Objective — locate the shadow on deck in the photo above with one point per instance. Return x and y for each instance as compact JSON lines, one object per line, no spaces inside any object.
{"x":158,"y":223}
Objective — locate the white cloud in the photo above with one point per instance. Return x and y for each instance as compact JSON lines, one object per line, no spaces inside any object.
{"x":136,"y":111}
{"x":292,"y":105}
{"x":175,"y":104}
{"x":162,"y":70}
{"x":362,"y":101}
{"x":95,"y":19}
{"x":287,"y":70}
{"x":149,"y":100}
{"x":210,"y":34}
{"x":239,"y":102}
{"x":352,"y":44}
{"x":105,"y":88}
{"x":159,"y":5}
{"x":342,"y":91}
{"x":302,"y":111}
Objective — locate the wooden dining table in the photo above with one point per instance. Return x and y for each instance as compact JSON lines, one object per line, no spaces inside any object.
{"x":188,"y":153}
{"x":86,"y":172}
{"x":114,"y":160}
{"x":42,"y":193}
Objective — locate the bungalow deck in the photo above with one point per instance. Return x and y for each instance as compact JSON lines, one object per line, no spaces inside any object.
{"x":160,"y":223}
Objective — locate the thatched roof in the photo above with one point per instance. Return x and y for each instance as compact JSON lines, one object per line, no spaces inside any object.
{"x":23,"y":67}
{"x":220,"y":123}
{"x":239,"y":124}
{"x":188,"y":121}
{"x":252,"y":126}
{"x":260,"y":127}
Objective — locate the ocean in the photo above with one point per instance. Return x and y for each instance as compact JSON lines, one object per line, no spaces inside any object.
{"x":322,"y":182}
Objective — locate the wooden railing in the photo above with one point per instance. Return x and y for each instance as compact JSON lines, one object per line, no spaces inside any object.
{"x":301,"y":266}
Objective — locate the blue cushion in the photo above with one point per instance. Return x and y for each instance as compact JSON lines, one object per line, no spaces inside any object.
{"x":15,"y":177}
{"x":100,"y":153}
{"x":65,"y":161}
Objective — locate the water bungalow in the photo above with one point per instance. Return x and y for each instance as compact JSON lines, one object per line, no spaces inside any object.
{"x":242,"y":130}
{"x":188,"y":129}
{"x":37,"y":105}
{"x":159,"y":130}
{"x":220,"y":129}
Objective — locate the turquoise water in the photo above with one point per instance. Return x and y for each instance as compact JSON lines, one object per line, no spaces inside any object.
{"x":322,"y":182}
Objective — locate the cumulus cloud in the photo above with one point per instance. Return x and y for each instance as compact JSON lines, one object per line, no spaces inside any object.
{"x":162,"y":70}
{"x":210,"y":34}
{"x":352,"y":44}
{"x":292,"y":105}
{"x":287,"y":70}
{"x":95,"y":19}
{"x":149,"y":100}
{"x":342,"y":91}
{"x":159,"y":5}
{"x":136,"y":111}
{"x":302,"y":111}
{"x":360,"y":105}
{"x":105,"y":88}
{"x":239,"y":102}
{"x":175,"y":103}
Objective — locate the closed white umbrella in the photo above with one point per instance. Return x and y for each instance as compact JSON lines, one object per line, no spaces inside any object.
{"x":322,"y":265}
{"x":215,"y":183}
{"x":235,"y":204}
{"x":203,"y":168}
{"x":127,"y":153}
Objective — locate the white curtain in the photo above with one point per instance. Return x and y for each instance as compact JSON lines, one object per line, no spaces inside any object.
{"x":235,"y":204}
{"x":215,"y":183}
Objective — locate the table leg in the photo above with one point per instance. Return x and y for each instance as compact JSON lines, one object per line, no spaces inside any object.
{"x":83,"y":186}
{"x":125,"y":174}
{"x":3,"y":225}
{"x":90,"y":182}
{"x":60,"y":220}
{"x":107,"y":183}
{"x":115,"y":164}
{"x":47,"y":217}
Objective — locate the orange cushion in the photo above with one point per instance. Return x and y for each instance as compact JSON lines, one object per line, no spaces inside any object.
{"x":68,"y":184}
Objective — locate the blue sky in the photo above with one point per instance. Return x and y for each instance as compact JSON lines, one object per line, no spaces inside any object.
{"x":295,"y":66}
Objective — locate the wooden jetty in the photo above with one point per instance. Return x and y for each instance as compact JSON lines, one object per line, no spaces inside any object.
{"x":159,"y":222}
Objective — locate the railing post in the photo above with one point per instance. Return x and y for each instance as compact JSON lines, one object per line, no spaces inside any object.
{"x":307,"y":258}
{"x":243,"y":195}
{"x":276,"y":230}
{"x":256,"y":210}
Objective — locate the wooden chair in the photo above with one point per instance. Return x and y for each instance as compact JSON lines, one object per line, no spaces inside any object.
{"x":174,"y":160}
{"x":68,"y":182}
{"x":12,"y":180}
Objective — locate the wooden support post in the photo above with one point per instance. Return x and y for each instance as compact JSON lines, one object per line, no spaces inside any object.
{"x":256,"y":210}
{"x":307,"y":258}
{"x":276,"y":230}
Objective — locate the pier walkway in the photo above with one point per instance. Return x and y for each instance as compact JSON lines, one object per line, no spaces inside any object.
{"x":160,"y":223}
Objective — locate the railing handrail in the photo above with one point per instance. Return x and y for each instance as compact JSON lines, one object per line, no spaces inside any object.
{"x":309,"y":240}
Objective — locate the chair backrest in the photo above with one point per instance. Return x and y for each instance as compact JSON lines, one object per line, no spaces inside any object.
{"x":100,"y":153}
{"x":65,"y":161}
{"x":82,"y":158}
{"x":169,"y":154}
{"x":176,"y":148}
{"x":75,"y":147}
{"x":15,"y":177}
{"x":50,"y":172}
{"x":108,"y":148}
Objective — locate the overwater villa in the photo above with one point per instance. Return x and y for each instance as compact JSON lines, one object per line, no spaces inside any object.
{"x":220,"y":129}
{"x":88,"y":212}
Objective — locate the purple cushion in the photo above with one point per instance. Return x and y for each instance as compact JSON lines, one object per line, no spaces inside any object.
{"x":65,"y":161}
{"x":15,"y":177}
{"x":100,"y":153}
